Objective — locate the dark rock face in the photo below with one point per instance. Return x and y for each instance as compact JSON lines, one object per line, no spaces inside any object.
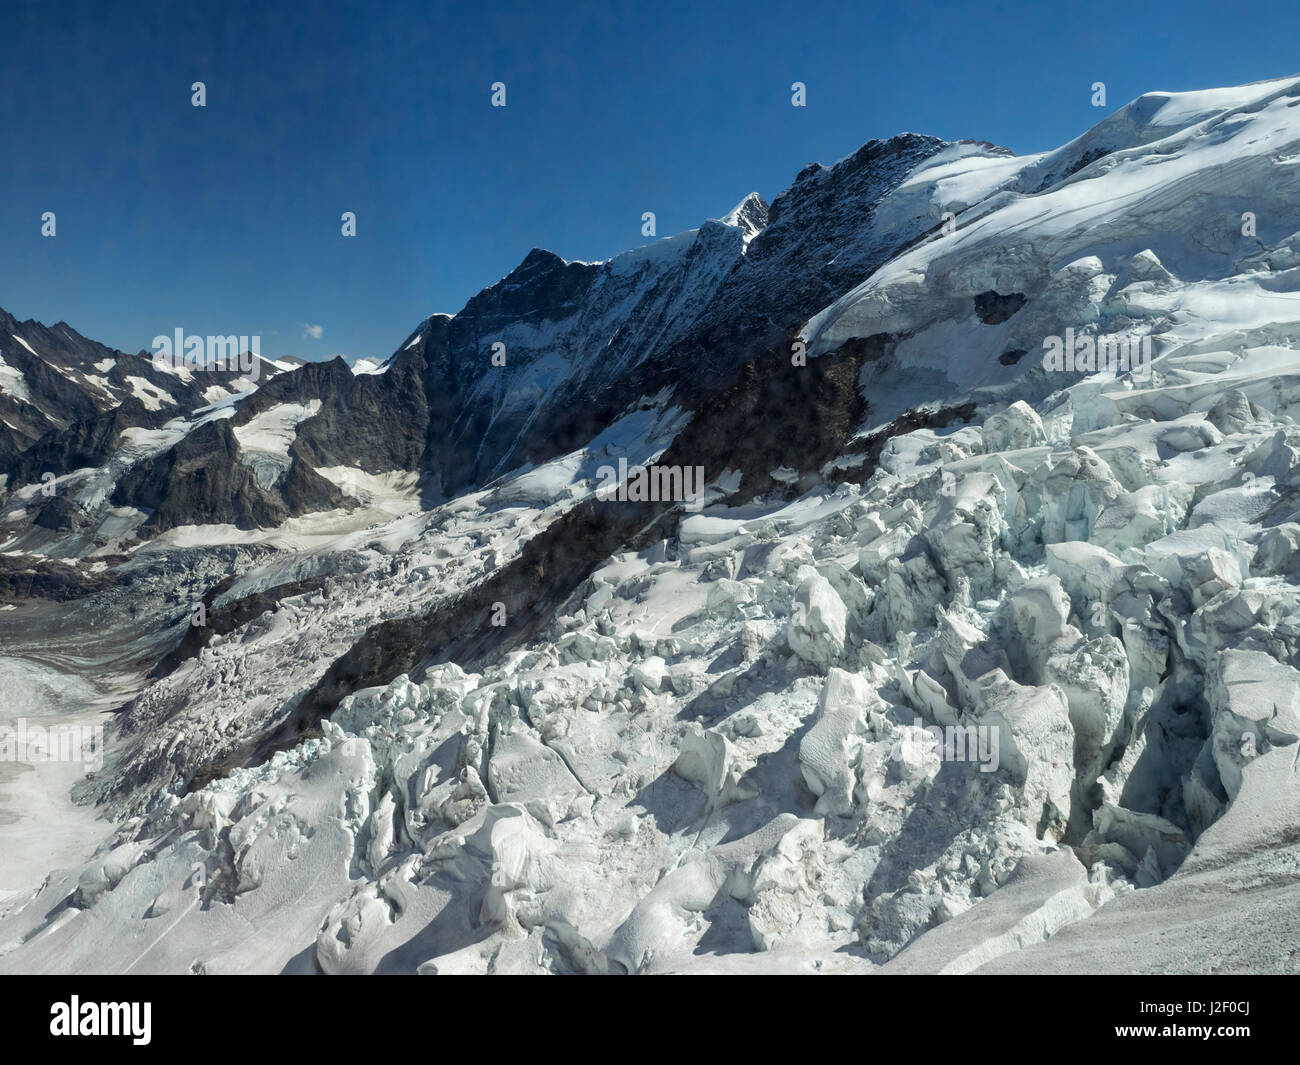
{"x":775,"y":414}
{"x":821,"y":237}
{"x":993,"y":309}
{"x":373,"y":421}
{"x":23,"y":579}
{"x":303,"y":491}
{"x":202,"y":481}
{"x":61,"y":514}
{"x":198,"y":479}
{"x":85,"y":443}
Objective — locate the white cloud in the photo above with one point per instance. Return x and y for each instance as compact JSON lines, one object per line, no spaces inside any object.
{"x":313,"y":331}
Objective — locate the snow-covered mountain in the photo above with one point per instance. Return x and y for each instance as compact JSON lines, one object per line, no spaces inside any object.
{"x":994,"y":449}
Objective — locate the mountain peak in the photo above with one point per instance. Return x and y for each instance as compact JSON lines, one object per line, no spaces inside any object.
{"x":750,"y":214}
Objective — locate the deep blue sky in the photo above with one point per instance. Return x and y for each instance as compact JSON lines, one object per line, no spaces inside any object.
{"x":225,"y":219}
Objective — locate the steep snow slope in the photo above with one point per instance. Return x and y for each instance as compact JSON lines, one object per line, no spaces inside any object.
{"x":527,"y":730}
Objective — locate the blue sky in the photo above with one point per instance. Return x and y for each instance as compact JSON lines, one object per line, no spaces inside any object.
{"x":225,"y":219}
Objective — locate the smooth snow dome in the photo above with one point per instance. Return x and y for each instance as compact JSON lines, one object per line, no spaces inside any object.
{"x":998,"y":670}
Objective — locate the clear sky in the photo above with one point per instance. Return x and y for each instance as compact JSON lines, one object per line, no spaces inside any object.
{"x":226,"y":219}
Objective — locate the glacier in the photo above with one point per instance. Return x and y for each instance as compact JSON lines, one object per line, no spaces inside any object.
{"x":454,"y":712}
